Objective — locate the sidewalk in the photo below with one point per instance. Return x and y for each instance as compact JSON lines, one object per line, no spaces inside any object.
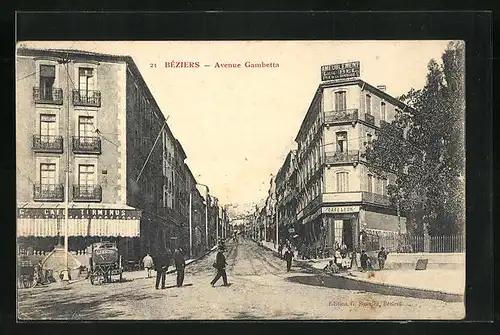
{"x":431,"y":283}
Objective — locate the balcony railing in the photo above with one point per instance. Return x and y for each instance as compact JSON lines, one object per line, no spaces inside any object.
{"x":375,"y":198}
{"x":347,"y":115}
{"x":87,"y":193}
{"x":370,"y":119}
{"x":44,"y":143}
{"x":86,"y":145}
{"x":48,"y":192}
{"x":335,"y":157}
{"x":87,"y":98}
{"x":48,"y":95}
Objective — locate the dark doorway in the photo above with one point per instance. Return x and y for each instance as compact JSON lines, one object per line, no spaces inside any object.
{"x":347,"y":233}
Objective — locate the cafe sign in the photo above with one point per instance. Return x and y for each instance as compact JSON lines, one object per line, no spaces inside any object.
{"x":340,"y":71}
{"x":340,"y":209}
{"x":79,"y":213}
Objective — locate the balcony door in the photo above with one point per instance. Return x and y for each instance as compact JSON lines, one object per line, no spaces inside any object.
{"x":85,"y":81}
{"x":340,"y":101}
{"x":86,"y":179}
{"x":47,"y":177}
{"x":47,"y":79}
{"x":85,"y":129}
{"x":342,"y":142}
{"x":48,"y":129}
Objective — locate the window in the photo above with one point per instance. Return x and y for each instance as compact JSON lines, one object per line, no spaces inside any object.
{"x":85,"y":175}
{"x":383,"y":186}
{"x":47,"y":78}
{"x":340,"y":101}
{"x":86,"y":80}
{"x":342,"y":182}
{"x":368,"y":138}
{"x":370,"y":183}
{"x":48,"y":127}
{"x":368,"y":104}
{"x":342,"y":141}
{"x":383,"y":115}
{"x":47,"y":174}
{"x":85,"y":128}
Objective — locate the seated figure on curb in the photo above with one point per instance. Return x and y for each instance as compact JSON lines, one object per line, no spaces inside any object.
{"x":331,"y":268}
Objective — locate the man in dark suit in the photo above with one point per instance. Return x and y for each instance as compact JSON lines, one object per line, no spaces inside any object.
{"x":220,"y":265}
{"x":161,"y":263}
{"x":180,"y":264}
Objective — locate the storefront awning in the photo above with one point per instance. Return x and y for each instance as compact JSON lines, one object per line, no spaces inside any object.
{"x":46,"y":220}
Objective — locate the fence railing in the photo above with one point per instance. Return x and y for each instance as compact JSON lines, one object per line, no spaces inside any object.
{"x":414,"y":243}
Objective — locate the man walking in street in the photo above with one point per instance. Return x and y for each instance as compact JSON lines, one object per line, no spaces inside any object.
{"x":288,"y":257}
{"x":161,"y":263}
{"x":180,"y":264}
{"x":147,"y":261}
{"x":382,"y":257}
{"x":220,"y":265}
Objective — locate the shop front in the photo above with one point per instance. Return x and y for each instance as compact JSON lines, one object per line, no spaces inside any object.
{"x":42,"y":226}
{"x":341,"y":226}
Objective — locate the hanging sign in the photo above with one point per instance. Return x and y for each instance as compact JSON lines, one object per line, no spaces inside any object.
{"x":340,"y":71}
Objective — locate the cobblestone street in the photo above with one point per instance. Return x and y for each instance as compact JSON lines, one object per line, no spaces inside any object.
{"x":260,"y":288}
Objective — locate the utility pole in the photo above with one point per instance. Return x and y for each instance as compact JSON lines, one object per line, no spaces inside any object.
{"x":66,"y":184}
{"x":190,"y":224}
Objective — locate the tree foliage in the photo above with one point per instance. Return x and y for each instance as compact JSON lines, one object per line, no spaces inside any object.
{"x":424,"y":148}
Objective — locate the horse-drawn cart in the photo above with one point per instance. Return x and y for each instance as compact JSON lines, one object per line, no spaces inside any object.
{"x":105,"y":262}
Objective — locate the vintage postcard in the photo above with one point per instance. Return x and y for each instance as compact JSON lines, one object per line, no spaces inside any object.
{"x":240,"y":180}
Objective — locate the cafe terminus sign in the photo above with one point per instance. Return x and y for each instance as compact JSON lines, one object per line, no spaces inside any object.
{"x":340,"y":71}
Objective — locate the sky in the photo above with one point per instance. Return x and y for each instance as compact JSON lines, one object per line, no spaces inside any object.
{"x":237,"y":125}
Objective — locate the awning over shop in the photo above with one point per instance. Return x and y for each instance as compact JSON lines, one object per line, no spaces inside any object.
{"x":45,"y":220}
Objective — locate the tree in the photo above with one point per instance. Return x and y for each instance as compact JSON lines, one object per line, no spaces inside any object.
{"x":424,"y":148}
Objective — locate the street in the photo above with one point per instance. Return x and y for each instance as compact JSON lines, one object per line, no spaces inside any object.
{"x":260,"y":288}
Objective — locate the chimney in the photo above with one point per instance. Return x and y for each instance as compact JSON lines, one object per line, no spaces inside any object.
{"x":382,"y":87}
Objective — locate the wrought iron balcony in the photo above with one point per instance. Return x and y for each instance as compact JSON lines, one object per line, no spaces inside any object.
{"x":348,"y":115}
{"x":370,"y":119}
{"x":50,"y":95}
{"x":87,"y":98}
{"x":48,"y":192}
{"x":44,"y":143}
{"x":375,"y":198}
{"x":86,"y":145}
{"x":90,"y":193}
{"x":336,"y":157}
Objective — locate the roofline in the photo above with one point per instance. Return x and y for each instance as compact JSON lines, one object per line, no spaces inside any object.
{"x":355,"y":81}
{"x":178,"y":143}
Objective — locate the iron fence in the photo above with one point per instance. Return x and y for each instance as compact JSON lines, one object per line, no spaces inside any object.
{"x":407,"y":243}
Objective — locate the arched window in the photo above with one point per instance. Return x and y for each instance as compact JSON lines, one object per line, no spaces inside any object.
{"x":383,"y":115}
{"x":342,"y":181}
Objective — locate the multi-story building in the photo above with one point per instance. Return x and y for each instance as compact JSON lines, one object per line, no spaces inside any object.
{"x":94,"y":116}
{"x":338,"y":195}
{"x":286,"y":196}
{"x":270,"y":219}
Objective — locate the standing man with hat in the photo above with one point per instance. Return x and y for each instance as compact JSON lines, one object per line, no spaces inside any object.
{"x":220,"y":265}
{"x":161,"y":263}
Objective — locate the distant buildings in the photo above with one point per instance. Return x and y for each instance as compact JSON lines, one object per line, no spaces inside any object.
{"x":94,"y":114}
{"x":326,"y":194}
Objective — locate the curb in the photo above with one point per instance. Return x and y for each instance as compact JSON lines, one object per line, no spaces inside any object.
{"x":351,"y":283}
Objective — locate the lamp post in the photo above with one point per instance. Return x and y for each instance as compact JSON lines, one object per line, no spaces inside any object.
{"x":206,"y":212}
{"x":190,"y":224}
